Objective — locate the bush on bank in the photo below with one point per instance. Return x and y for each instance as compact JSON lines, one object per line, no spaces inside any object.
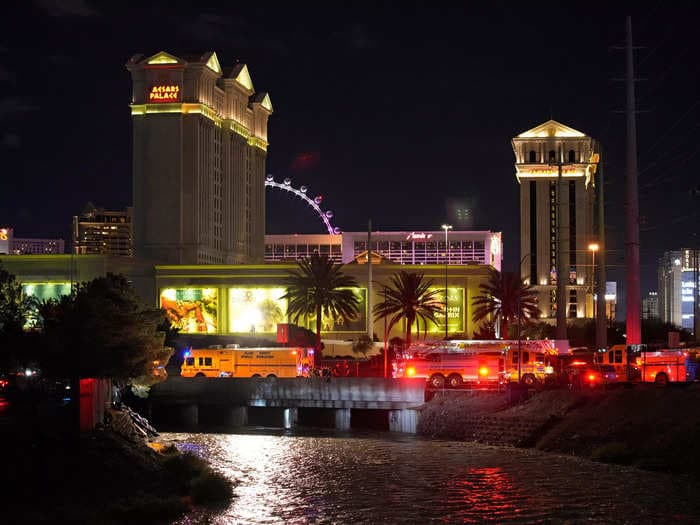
{"x":106,"y":479}
{"x":646,"y":426}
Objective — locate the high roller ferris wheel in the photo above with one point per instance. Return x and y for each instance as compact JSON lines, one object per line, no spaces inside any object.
{"x":301,"y":192}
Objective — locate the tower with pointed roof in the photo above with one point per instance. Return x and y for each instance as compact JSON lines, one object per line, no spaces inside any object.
{"x":199,"y":151}
{"x":539,"y":154}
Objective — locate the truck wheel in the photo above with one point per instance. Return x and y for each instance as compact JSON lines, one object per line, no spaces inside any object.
{"x":454,"y":380}
{"x":437,"y":381}
{"x":271,"y":375}
{"x":199,"y":374}
{"x":528,"y":379}
{"x":255,"y":375}
{"x":661,"y":379}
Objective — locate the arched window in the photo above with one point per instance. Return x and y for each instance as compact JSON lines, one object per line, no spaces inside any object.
{"x":552,"y":155}
{"x":533,"y":155}
{"x":572,"y":156}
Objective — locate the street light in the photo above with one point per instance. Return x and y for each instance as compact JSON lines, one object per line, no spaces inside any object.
{"x":446,"y":227}
{"x":593,"y":247}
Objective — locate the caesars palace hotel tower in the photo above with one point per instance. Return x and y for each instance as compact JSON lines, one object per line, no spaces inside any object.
{"x":542,"y":155}
{"x":200,"y":144}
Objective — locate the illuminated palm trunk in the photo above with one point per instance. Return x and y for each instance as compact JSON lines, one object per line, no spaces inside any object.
{"x":318,"y":331}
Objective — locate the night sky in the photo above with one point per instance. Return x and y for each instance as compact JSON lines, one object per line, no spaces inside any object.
{"x":391,"y":113}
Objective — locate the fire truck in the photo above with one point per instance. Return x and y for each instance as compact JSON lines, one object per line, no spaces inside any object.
{"x":643,"y":364}
{"x":479,"y":362}
{"x":454,"y":369}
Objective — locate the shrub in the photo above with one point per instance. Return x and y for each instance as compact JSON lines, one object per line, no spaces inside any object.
{"x":614,"y":452}
{"x":182,"y":468}
{"x":211,"y":487}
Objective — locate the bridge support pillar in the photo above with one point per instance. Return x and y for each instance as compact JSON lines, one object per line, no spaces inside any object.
{"x":404,"y":420}
{"x":291,"y":416}
{"x":190,"y":415}
{"x":342,"y":418}
{"x":238,"y":417}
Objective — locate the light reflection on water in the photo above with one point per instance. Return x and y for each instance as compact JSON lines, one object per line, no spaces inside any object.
{"x":384,"y":478}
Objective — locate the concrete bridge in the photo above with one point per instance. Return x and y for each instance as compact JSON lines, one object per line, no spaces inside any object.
{"x":231,"y":400}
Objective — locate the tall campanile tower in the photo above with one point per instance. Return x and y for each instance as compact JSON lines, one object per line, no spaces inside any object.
{"x":554,"y":161}
{"x":200,"y":144}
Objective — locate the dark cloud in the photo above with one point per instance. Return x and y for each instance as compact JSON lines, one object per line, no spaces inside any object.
{"x":61,"y":8}
{"x":7,"y":76}
{"x":14,"y":105}
{"x":360,"y":37}
{"x":10,"y":141}
{"x":230,"y":32}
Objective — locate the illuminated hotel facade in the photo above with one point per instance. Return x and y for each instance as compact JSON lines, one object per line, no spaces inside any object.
{"x":211,"y":303}
{"x":402,"y":247}
{"x":540,"y":153}
{"x":679,"y":281}
{"x":11,"y":245}
{"x":106,"y":232}
{"x":199,"y":152}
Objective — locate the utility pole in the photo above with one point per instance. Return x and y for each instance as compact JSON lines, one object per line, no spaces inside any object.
{"x":632,"y":215}
{"x":601,"y":330}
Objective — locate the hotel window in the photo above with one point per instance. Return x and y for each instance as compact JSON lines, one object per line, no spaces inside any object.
{"x":533,"y":156}
{"x":552,"y":155}
{"x":572,"y":156}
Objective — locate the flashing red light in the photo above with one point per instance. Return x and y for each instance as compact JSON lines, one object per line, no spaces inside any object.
{"x":410,"y":371}
{"x":294,"y":352}
{"x":483,"y":371}
{"x":591,"y":377}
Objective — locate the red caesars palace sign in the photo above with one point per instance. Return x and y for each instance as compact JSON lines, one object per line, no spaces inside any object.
{"x":164,"y":93}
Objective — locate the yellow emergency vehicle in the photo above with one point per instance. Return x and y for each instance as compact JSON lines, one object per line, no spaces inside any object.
{"x":247,"y":362}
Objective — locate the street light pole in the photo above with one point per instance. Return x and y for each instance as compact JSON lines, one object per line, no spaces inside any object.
{"x":446,"y":227}
{"x":593,"y":247}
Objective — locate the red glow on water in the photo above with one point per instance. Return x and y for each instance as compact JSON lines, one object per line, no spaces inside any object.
{"x":483,"y":491}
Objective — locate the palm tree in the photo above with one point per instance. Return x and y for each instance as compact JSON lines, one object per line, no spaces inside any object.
{"x":505,"y":298}
{"x":319,"y":287}
{"x":409,"y":297}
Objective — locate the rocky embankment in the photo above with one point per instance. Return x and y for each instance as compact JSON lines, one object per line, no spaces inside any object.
{"x":647,"y":426}
{"x":116,"y":474}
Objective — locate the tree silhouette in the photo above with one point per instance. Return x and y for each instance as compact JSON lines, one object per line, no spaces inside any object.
{"x":505,"y":299}
{"x":318,"y":287}
{"x":408,"y":296}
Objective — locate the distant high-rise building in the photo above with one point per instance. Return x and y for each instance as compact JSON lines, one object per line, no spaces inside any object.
{"x":650,"y":306}
{"x":200,"y":146}
{"x":610,"y":300}
{"x":539,"y":154}
{"x":97,"y":231}
{"x":678,"y":282}
{"x":11,"y":245}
